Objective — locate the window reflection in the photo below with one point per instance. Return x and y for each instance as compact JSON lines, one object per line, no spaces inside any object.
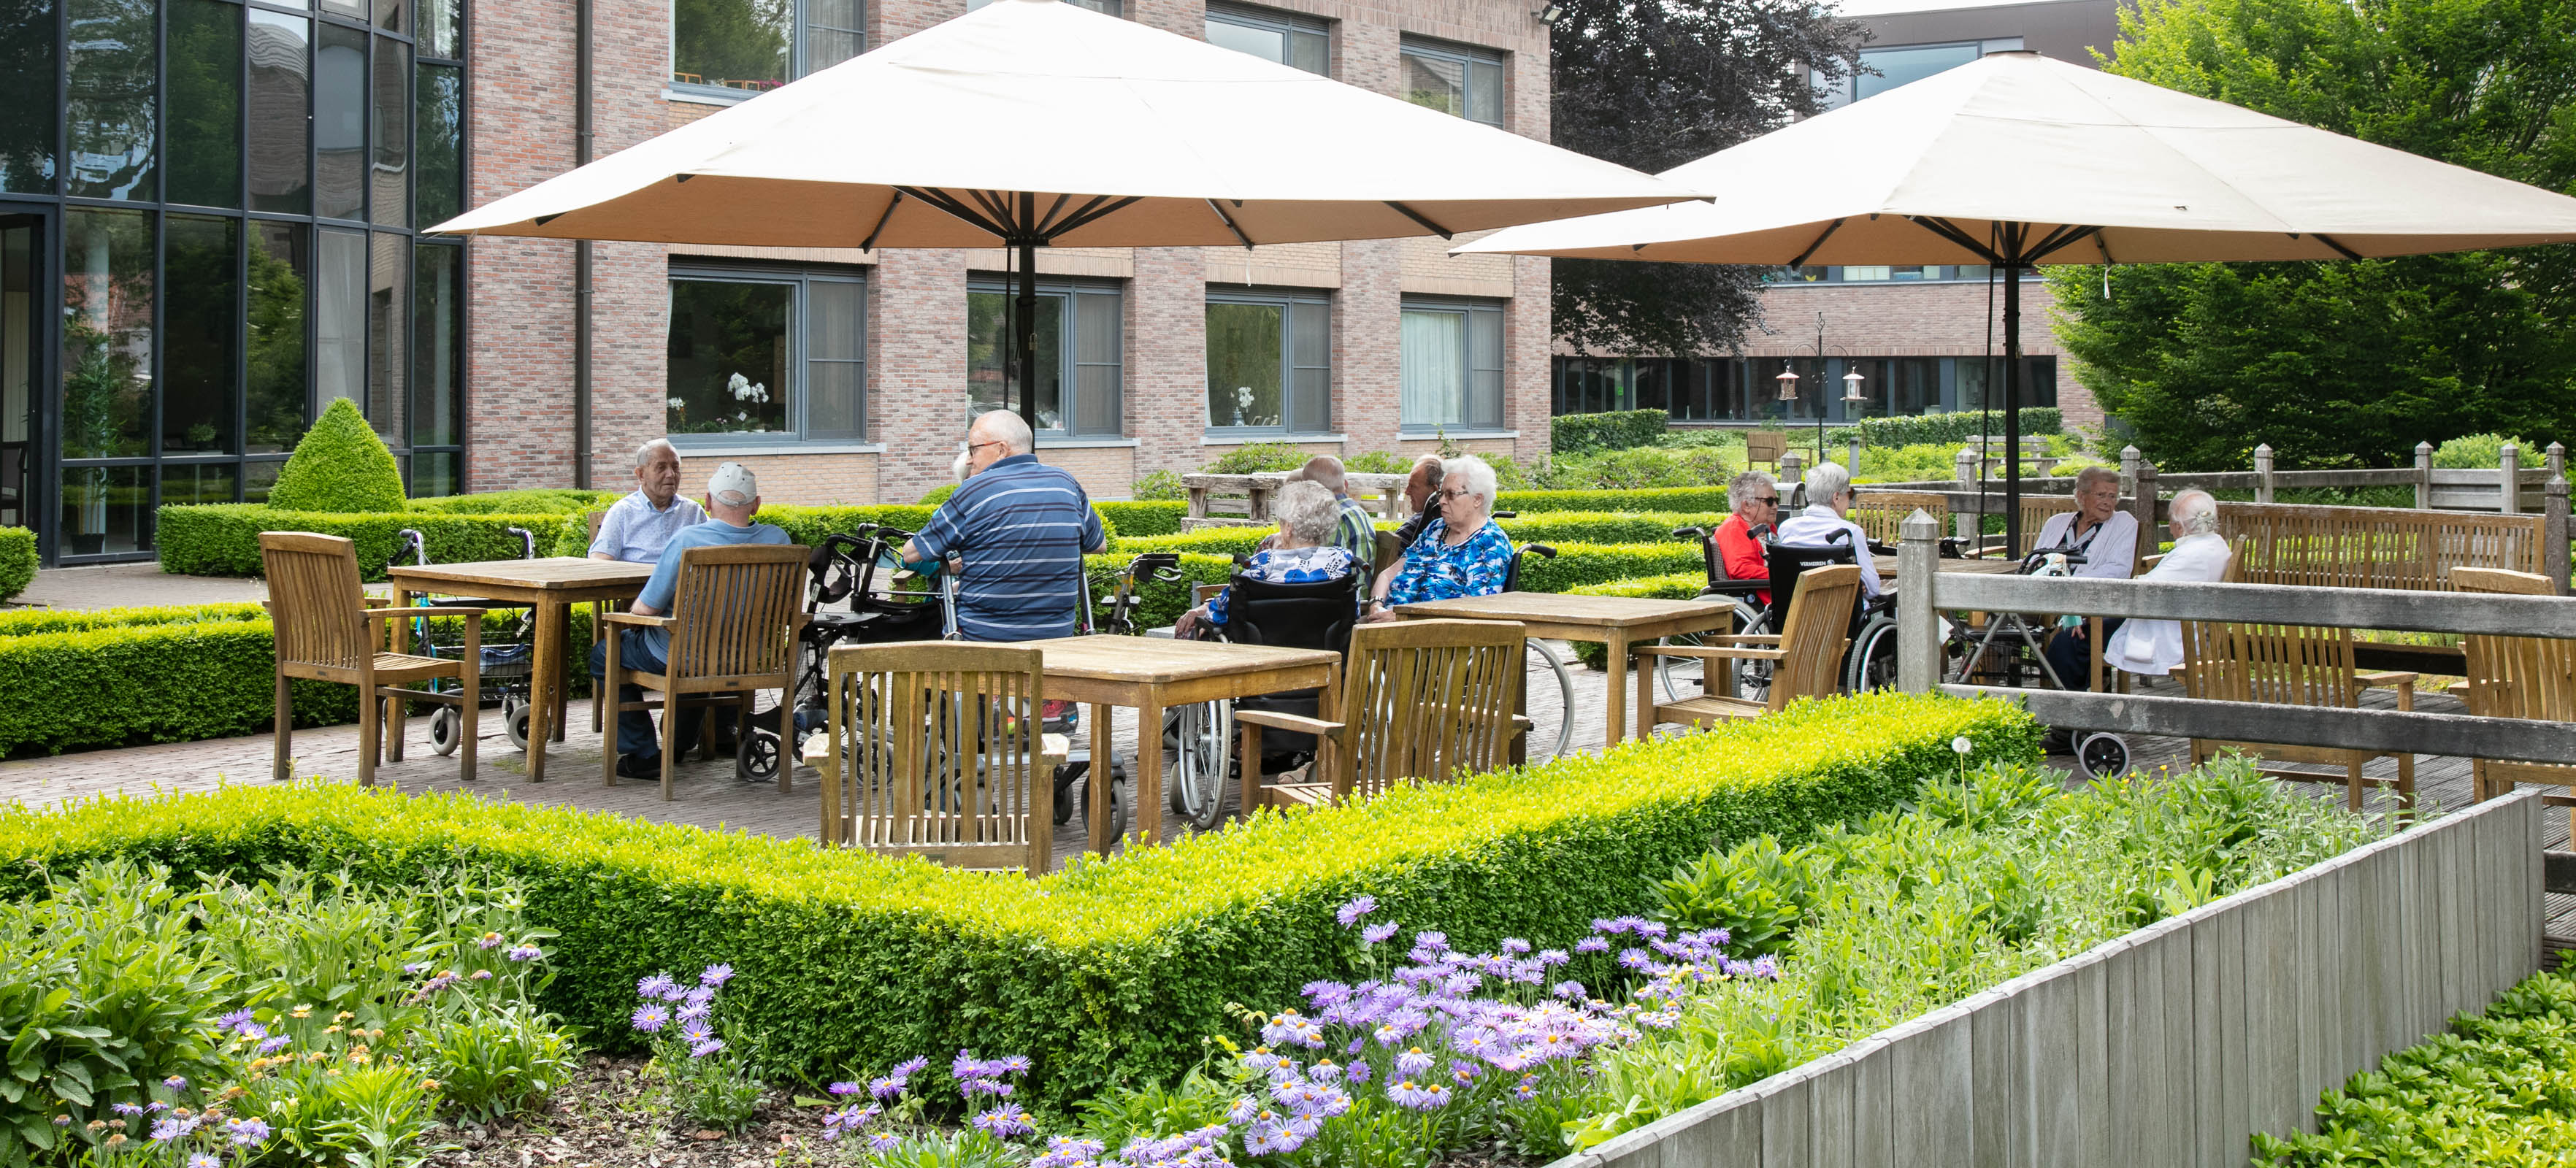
{"x":340,"y":123}
{"x":106,"y":509}
{"x":388,"y":320}
{"x":438,"y":339}
{"x":280,"y":87}
{"x":27,"y":122}
{"x":442,"y":139}
{"x":109,"y":118}
{"x":197,"y":335}
{"x":731,"y":44}
{"x":107,"y":332}
{"x":340,"y":317}
{"x":728,"y":357}
{"x":205,"y":103}
{"x":280,"y":265}
{"x":392,"y":185}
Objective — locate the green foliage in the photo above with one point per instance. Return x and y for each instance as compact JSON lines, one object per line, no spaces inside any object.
{"x":1160,"y":486}
{"x":1756,"y":892}
{"x":1548,"y":527}
{"x":222,"y":539}
{"x":1378,"y":462}
{"x":340,"y":465}
{"x":529,"y":501}
{"x":1584,"y":433}
{"x":2338,"y":363}
{"x":1144,"y":516}
{"x":1696,"y":498}
{"x":2497,"y":1089}
{"x":1207,"y":559}
{"x":1259,"y":458}
{"x":1643,"y":467}
{"x":1582,"y":563}
{"x":2482,"y":452}
{"x":700,"y":1064}
{"x":1993,"y":872}
{"x":938,"y":494}
{"x":1669,"y":586}
{"x":17,"y":561}
{"x":1952,"y":430}
{"x":1110,"y":971}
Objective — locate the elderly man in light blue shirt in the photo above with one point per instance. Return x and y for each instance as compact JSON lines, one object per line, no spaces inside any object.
{"x":637,"y":527}
{"x":1829,"y":500}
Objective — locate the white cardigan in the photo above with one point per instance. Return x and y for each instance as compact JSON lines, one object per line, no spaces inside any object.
{"x":2154,"y":647}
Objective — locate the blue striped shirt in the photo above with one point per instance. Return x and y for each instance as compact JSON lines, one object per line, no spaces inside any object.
{"x":1021,"y":527}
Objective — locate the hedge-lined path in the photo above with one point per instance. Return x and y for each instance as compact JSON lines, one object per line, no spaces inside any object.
{"x":131,"y":585}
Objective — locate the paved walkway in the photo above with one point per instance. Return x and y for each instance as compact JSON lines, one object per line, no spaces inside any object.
{"x":126,"y":585}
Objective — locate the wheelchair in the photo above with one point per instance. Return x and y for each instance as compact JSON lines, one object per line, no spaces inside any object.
{"x":857,"y":592}
{"x":1317,"y":615}
{"x":1784,"y":563}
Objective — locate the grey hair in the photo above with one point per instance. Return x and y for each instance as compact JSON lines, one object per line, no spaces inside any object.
{"x":1742,"y":488}
{"x":1004,"y":427}
{"x":2198,"y":511}
{"x":1308,"y":511}
{"x":1325,"y":471}
{"x":1432,"y":469}
{"x":644,"y":453}
{"x":2094,"y":474}
{"x":1824,"y":481}
{"x":1470,"y":473}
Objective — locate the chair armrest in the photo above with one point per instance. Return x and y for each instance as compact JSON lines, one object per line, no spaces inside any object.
{"x":426,"y":611}
{"x":1705,"y":652}
{"x":1295,"y":723}
{"x":2458,"y":689}
{"x":641,"y":622}
{"x":2391,"y":679}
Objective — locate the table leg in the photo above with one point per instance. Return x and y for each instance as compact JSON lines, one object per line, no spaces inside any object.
{"x":1614,"y":718}
{"x":544,"y":682}
{"x":391,"y":740}
{"x":1096,"y":784}
{"x":1145,"y":819}
{"x":561,"y":614}
{"x":1646,"y":697}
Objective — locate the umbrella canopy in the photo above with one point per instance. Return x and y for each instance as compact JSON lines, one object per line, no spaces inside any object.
{"x":1036,"y":121}
{"x":2017,"y":160}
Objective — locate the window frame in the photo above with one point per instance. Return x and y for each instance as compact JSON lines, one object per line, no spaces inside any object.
{"x":1473,"y":310}
{"x":1281,"y":21}
{"x":800,"y":403}
{"x":798,"y":65}
{"x":1288,"y":301}
{"x":1467,"y":57}
{"x":1070,"y":359}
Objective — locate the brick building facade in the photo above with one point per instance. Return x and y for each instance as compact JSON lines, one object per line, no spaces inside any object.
{"x":917,"y":335}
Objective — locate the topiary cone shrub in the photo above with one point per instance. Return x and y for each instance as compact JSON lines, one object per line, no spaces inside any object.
{"x":341,"y":467}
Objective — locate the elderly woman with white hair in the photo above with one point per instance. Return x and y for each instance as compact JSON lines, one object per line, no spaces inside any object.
{"x":1461,"y":553}
{"x":1302,"y":552}
{"x":2199,"y":556}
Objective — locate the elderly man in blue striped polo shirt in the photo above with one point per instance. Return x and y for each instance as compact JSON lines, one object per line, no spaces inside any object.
{"x":1021,"y":527}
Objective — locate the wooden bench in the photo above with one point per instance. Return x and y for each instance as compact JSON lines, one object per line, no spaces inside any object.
{"x":1222,"y":500}
{"x":2380,"y":547}
{"x":1880,"y":512}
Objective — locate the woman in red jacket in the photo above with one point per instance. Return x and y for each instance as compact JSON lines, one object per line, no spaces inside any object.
{"x":1756,"y":500}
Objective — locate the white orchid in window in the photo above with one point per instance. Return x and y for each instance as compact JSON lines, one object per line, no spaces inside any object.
{"x":745,"y":389}
{"x":676,"y":403}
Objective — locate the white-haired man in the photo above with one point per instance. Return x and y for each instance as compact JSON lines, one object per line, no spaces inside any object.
{"x":1829,"y":500}
{"x":1419,"y":487}
{"x":637,"y":527}
{"x":733,"y":497}
{"x":1021,"y":527}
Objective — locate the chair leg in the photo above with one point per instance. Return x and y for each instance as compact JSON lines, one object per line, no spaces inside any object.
{"x":598,"y":625}
{"x":284,"y":768}
{"x":397,"y":714}
{"x":2352,"y":784}
{"x":2406,"y":782}
{"x":672,"y":712}
{"x":786,"y":737}
{"x":370,"y":708}
{"x":469,"y":717}
{"x":1250,"y":769}
{"x":706,"y":727}
{"x":608,"y":697}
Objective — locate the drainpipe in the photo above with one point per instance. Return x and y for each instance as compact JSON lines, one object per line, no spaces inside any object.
{"x":581,"y":254}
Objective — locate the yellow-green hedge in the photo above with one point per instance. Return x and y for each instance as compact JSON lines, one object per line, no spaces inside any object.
{"x":1109,"y":971}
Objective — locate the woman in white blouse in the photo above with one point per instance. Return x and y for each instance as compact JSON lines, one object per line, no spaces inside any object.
{"x":2199,"y":555}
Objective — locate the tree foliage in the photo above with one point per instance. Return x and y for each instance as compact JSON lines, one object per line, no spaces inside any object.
{"x":2349,"y":363}
{"x":1652,"y":86}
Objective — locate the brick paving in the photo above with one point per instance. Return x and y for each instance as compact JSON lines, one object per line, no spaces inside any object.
{"x":126,"y":585}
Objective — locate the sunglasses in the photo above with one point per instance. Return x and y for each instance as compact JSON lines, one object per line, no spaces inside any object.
{"x":1769,"y":500}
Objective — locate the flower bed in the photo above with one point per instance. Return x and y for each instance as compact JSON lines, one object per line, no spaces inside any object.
{"x":1107,"y":972}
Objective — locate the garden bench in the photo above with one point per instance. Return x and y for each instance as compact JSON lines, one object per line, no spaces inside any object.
{"x":1243,"y":500}
{"x":2518,"y":677}
{"x":2292,"y":665}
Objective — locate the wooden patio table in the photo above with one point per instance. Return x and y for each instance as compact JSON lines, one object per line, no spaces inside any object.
{"x":1616,"y":622}
{"x":1152,"y":674}
{"x":551,"y":586}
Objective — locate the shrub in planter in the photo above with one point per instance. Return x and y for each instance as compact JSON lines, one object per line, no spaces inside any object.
{"x":1258,"y":458}
{"x":1159,"y":486}
{"x":17,"y":561}
{"x":1111,"y":971}
{"x":339,"y":466}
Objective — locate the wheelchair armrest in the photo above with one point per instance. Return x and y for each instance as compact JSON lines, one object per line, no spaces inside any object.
{"x":1735,"y":587}
{"x":1294,"y":723}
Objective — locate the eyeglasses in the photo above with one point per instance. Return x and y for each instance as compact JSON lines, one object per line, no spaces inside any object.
{"x":972,"y":447}
{"x":1445,"y":496}
{"x":1769,"y":500}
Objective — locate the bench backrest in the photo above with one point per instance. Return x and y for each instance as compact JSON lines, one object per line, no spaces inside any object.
{"x":1882,"y":513}
{"x":2375,"y":547}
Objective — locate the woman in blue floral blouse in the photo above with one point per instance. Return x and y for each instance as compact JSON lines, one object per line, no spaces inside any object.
{"x":1300,"y":554}
{"x":1462,"y":553}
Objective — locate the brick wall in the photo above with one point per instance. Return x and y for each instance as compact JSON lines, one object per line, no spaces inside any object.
{"x":794,"y":478}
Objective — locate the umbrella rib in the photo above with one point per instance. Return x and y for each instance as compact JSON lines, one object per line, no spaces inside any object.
{"x":870,"y":243}
{"x":949,"y":203}
{"x":1950,"y":231}
{"x":1093,"y":212}
{"x":2059,"y":239}
{"x":1046,"y":223}
{"x":2331,"y":242}
{"x":1821,"y":237}
{"x":1228,"y":220}
{"x":1417,"y":217}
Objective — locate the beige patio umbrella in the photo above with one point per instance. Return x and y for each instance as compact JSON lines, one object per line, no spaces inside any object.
{"x":1036,"y":123}
{"x":2017,"y":160}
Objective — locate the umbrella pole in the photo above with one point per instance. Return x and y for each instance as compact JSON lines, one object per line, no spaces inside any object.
{"x":1024,"y":328}
{"x":2013,"y":266}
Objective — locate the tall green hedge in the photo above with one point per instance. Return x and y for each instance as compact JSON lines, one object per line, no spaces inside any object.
{"x":1575,"y":564}
{"x":1620,"y":430}
{"x":339,"y":465}
{"x":17,"y":561}
{"x":1145,"y":516}
{"x":1708,"y":498}
{"x":1951,"y":429}
{"x":1111,"y":971}
{"x":1549,"y":527}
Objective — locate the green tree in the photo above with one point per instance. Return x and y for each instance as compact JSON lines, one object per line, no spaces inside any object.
{"x":2349,"y":363}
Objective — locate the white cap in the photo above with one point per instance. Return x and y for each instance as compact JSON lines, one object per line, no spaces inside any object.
{"x":733,"y":485}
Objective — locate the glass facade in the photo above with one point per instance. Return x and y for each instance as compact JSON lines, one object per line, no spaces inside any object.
{"x":1747,"y":389}
{"x":209,"y":233}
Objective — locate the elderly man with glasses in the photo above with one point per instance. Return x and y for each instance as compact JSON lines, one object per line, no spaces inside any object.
{"x":1021,"y":528}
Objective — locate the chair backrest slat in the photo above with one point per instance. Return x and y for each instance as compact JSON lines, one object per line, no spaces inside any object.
{"x":935,"y":747}
{"x":2376,"y":547}
{"x":1882,"y":513}
{"x":315,"y":599}
{"x":1814,"y":634}
{"x":2517,"y":677}
{"x":2281,"y":665}
{"x":1426,"y":699}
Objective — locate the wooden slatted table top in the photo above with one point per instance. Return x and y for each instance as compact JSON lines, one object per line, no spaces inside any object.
{"x":1156,"y":660}
{"x":1563,"y":609}
{"x":550,"y":573}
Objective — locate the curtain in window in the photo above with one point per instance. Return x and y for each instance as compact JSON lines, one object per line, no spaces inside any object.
{"x":340,"y":316}
{"x":1434,"y":368}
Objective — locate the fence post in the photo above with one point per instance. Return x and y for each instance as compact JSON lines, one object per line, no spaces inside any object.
{"x":1918,"y":627}
{"x":2423,"y":476}
{"x":2143,"y":505}
{"x":1791,"y":475}
{"x":1854,"y":464}
{"x":2509,"y":480}
{"x":2557,"y":463}
{"x":2129,"y":459}
{"x":2263,"y":473}
{"x":2553,"y":531}
{"x":1967,"y":525}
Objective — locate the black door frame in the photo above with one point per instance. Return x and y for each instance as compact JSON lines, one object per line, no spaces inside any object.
{"x":44,"y":382}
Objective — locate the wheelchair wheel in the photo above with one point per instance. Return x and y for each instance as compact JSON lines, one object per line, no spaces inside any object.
{"x":1683,"y":677}
{"x":446,"y":729}
{"x":2102,"y":756}
{"x":1872,"y":664}
{"x":1068,"y":803}
{"x":514,"y":718}
{"x":1564,"y":730}
{"x":1203,"y":737}
{"x":756,"y":759}
{"x":1065,"y":803}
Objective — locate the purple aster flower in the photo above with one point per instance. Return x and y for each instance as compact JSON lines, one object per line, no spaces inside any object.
{"x":202,"y":1160}
{"x":1550,"y":958}
{"x":1243,"y":1110}
{"x":884,"y":1142}
{"x":524,"y":953}
{"x":981,"y":1086}
{"x":694,"y":995}
{"x":699,"y":1050}
{"x":247,"y":1132}
{"x":1463,"y":1071}
{"x":696,"y":1031}
{"x":273,"y":1045}
{"x":126,"y":1109}
{"x":1015,"y":1064}
{"x":653,"y":988}
{"x":1592,"y":945}
{"x":1357,"y":1045}
{"x":1418,"y":1096}
{"x":1515,"y":945}
{"x":173,"y":1128}
{"x":175,"y":1083}
{"x":1412,"y":1062}
{"x":909,"y":1067}
{"x":488,"y":941}
{"x":1358,"y":1074}
{"x":1570,"y":990}
{"x":1634,"y":959}
{"x":1008,"y":1121}
{"x":887,"y":1087}
{"x":1377,"y":933}
{"x":1526,"y":1089}
{"x":414,"y":968}
{"x":1651,"y":929}
{"x":481,"y":975}
{"x":1350,"y":914}
{"x":844,"y":1088}
{"x":235,"y":1020}
{"x":651,"y":1017}
{"x":714,"y":976}
{"x":965,"y":1065}
{"x":694,"y":1012}
{"x":1324,"y":1071}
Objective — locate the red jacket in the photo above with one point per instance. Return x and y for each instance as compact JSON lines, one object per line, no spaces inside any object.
{"x":1742,"y":554}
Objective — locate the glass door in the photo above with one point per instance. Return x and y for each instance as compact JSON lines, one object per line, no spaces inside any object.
{"x":22,"y":359}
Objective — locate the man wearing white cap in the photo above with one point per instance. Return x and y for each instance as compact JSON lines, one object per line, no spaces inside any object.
{"x":733,"y":497}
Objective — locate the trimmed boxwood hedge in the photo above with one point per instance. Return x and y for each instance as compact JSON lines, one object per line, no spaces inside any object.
{"x":1946,"y":428}
{"x":1110,"y":971}
{"x":1575,"y":564}
{"x":1619,"y":430}
{"x":1690,"y":499}
{"x":339,"y":465}
{"x":17,"y":561}
{"x":1145,"y":516}
{"x":1548,"y":527}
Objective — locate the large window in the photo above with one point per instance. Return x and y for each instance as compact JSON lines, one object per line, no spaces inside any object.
{"x":735,"y":48}
{"x":1452,"y":366}
{"x":1741,"y":389}
{"x":1454,"y":79}
{"x":1269,"y":362}
{"x":766,"y":355}
{"x":1289,"y":38}
{"x":1092,"y":365}
{"x":1893,"y":66}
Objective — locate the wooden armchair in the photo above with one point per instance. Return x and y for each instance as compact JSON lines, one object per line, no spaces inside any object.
{"x":2291,"y":665}
{"x":733,"y":626}
{"x":1764,"y":447}
{"x":326,"y":632}
{"x":1417,"y":700}
{"x":2518,"y":677}
{"x":1806,"y":655}
{"x":933,"y":750}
